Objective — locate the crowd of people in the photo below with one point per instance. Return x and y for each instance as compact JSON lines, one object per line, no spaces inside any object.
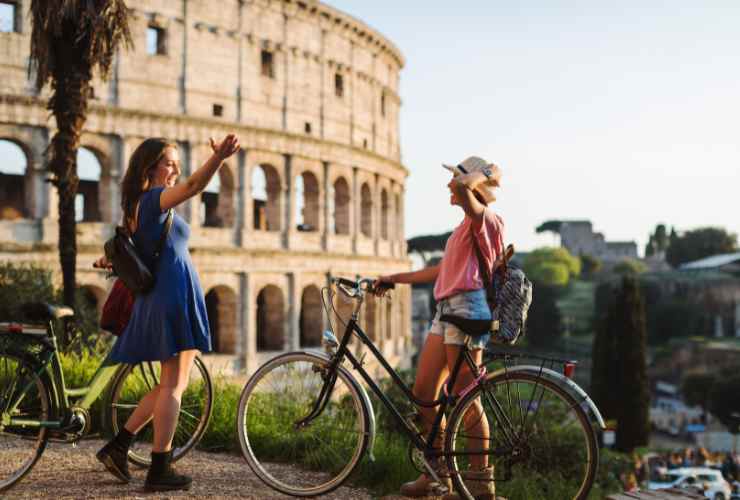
{"x":652,"y":466}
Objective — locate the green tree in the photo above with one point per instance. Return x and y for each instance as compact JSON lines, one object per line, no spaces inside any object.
{"x":699,"y":243}
{"x":724,"y":398}
{"x":658,"y":241}
{"x":551,"y":266}
{"x":544,"y":321}
{"x":629,"y":267}
{"x":696,"y":388}
{"x":70,"y":40}
{"x":633,"y":425}
{"x":590,"y":266}
{"x":619,"y":382}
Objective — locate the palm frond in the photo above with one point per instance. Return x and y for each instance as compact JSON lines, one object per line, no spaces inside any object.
{"x":96,"y":27}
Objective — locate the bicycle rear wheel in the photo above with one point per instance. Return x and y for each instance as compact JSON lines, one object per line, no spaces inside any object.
{"x":135,"y":381}
{"x":21,"y":443}
{"x":549,"y":451}
{"x":305,"y":460}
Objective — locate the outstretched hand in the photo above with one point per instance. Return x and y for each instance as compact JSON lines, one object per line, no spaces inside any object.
{"x":227,"y":147}
{"x":381,"y":285}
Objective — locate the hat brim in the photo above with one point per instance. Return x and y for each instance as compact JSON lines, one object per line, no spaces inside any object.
{"x":454,"y":169}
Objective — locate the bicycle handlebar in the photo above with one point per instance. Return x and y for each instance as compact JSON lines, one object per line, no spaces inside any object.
{"x":356,"y":286}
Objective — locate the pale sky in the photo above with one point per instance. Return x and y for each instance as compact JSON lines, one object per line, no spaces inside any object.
{"x":624,"y":113}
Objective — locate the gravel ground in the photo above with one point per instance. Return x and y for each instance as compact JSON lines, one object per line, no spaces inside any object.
{"x":67,"y":472}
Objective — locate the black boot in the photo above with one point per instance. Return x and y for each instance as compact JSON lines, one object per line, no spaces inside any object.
{"x":162,"y":477}
{"x":114,"y":455}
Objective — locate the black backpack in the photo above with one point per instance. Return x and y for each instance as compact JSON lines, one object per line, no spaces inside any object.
{"x":128,"y":265}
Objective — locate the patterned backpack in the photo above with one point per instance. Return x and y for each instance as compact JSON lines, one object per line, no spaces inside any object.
{"x":509,"y":295}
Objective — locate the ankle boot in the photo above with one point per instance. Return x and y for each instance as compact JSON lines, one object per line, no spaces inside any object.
{"x":479,"y":484}
{"x":423,"y":485}
{"x":162,"y":477}
{"x":114,"y":455}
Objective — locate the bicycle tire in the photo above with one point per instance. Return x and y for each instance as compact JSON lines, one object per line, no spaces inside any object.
{"x":281,"y":454}
{"x":36,"y":405}
{"x":133,"y":381}
{"x":544,"y":461}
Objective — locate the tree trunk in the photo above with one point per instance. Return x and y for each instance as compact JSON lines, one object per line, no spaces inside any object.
{"x":68,"y":103}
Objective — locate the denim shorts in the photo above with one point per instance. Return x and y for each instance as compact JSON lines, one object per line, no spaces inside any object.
{"x":470,"y":305}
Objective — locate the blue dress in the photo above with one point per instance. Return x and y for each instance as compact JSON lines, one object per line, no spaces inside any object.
{"x":172,"y":316}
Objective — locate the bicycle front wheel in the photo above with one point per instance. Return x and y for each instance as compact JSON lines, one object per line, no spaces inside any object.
{"x":301,"y":460}
{"x":24,"y":404}
{"x":134,"y":381}
{"x":523,"y":436}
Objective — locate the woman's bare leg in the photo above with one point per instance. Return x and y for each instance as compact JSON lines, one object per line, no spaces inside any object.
{"x":430,"y":374}
{"x":143,"y":412}
{"x":475,"y":420}
{"x":173,"y":382}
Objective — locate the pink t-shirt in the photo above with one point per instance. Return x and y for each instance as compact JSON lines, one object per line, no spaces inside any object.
{"x":458,"y":271}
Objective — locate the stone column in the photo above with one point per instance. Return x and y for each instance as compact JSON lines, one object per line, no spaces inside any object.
{"x":288,"y":200}
{"x":247,"y":206}
{"x":293,"y":330}
{"x":248,"y":308}
{"x":327,"y":196}
{"x":242,"y":195}
{"x":355,"y":210}
{"x":375,"y":228}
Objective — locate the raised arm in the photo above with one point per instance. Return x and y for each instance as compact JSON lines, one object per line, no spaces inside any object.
{"x":197,"y":182}
{"x":464,"y":188}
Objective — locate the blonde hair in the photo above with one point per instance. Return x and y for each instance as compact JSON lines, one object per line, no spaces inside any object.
{"x":136,"y":180}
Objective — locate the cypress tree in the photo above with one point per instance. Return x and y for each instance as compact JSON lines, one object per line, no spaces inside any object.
{"x":628,"y":325}
{"x":604,"y":364}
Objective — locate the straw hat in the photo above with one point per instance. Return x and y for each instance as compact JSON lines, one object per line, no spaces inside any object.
{"x":476,"y":164}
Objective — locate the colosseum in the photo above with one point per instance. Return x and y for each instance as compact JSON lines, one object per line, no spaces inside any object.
{"x":317,"y":190}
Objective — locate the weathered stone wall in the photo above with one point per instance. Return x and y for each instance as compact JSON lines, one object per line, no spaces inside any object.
{"x":292,"y":123}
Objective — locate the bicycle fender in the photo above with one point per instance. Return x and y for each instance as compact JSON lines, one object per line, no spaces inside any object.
{"x":365,"y":402}
{"x":570,"y":387}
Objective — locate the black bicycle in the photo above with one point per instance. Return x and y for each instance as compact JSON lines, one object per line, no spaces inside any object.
{"x":306,"y":409}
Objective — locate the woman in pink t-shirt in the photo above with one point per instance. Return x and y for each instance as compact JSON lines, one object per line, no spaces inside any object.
{"x":459,"y":290}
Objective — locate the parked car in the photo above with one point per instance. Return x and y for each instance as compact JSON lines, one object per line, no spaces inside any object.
{"x":709,"y":480}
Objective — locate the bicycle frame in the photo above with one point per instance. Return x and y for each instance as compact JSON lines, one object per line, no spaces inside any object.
{"x":61,"y":397}
{"x":443,"y":402}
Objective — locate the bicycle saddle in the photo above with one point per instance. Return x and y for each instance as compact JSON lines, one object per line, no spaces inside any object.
{"x":473,"y":327}
{"x":42,"y":311}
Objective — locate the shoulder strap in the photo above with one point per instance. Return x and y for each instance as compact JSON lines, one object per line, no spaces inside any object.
{"x":481,"y":261}
{"x":165,"y":232}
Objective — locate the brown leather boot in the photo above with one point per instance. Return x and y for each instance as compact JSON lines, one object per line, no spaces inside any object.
{"x":479,"y":483}
{"x":423,"y":485}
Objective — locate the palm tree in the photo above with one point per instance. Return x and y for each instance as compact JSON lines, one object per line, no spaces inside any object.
{"x":70,"y":40}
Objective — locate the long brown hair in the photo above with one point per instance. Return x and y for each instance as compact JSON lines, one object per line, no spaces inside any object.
{"x":136,"y":180}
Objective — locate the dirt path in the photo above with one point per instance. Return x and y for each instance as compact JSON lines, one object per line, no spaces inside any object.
{"x":66,"y":472}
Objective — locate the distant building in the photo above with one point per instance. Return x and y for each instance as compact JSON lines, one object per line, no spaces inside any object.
{"x":726,"y":262}
{"x":578,"y":237}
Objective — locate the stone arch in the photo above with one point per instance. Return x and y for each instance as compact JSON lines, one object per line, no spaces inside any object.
{"x":94,"y":297}
{"x":341,"y":313}
{"x":266,"y":197}
{"x":311,"y":320}
{"x":270,"y":319}
{"x":221,"y":307}
{"x":307,"y":202}
{"x":14,"y":173}
{"x":366,"y":210}
{"x":397,"y":216}
{"x":384,"y":214}
{"x":217,"y":200}
{"x":341,"y":206}
{"x":88,"y":199}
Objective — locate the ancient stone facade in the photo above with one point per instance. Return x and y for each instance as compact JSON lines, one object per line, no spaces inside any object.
{"x":317,"y":191}
{"x":579,"y":238}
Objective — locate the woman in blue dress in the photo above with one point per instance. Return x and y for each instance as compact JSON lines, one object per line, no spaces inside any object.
{"x":169,"y":323}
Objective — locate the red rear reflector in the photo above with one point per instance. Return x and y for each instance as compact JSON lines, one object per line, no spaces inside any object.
{"x":15,"y":328}
{"x":569,"y":369}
